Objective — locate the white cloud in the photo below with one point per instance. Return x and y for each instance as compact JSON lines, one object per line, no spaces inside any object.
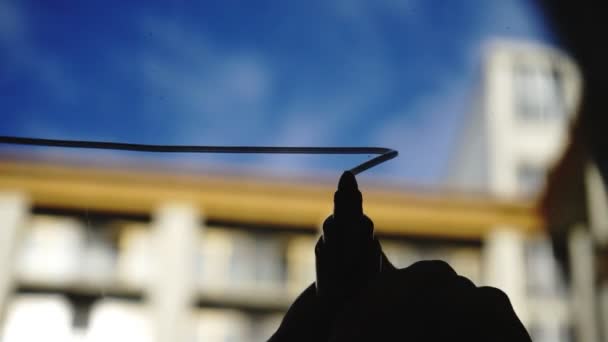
{"x":212,"y":93}
{"x":223,"y":95}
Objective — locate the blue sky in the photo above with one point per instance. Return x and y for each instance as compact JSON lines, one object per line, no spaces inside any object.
{"x":389,"y":73}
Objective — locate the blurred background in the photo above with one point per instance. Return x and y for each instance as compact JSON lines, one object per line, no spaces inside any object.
{"x":479,"y":97}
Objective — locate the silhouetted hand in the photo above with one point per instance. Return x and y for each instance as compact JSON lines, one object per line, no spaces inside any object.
{"x":360,"y":296}
{"x":427,"y":301}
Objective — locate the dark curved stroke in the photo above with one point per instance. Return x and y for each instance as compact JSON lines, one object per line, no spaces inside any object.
{"x":382,"y":154}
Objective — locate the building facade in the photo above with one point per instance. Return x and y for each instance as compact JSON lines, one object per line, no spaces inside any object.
{"x":519,"y":124}
{"x":515,"y":134}
{"x":97,"y":254}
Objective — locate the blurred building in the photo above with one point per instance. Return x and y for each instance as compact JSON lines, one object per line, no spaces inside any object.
{"x":517,"y":131}
{"x":136,"y":253}
{"x":519,"y":123}
{"x":141,"y":254}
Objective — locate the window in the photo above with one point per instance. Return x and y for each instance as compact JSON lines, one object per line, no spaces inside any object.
{"x":537,"y":92}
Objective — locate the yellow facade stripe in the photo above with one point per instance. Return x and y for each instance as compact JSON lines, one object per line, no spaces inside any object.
{"x":258,"y":200}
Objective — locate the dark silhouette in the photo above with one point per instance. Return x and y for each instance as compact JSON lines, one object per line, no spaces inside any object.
{"x":360,"y":296}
